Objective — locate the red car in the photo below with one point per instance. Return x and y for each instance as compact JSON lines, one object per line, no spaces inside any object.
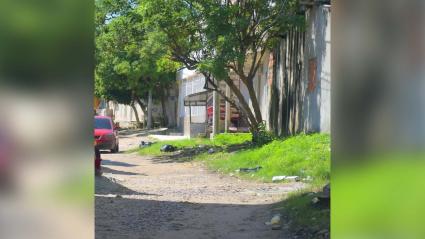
{"x":105,"y":134}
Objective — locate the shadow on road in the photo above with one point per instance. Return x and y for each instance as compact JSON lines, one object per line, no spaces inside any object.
{"x":141,"y":218}
{"x":115,"y":163}
{"x":119,"y":172}
{"x":106,"y":186}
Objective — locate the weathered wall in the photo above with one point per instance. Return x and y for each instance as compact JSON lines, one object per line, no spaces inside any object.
{"x":317,"y":97}
{"x":299,"y":96}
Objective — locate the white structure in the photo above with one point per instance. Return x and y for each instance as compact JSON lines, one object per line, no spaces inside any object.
{"x":190,"y":82}
{"x":124,"y":114}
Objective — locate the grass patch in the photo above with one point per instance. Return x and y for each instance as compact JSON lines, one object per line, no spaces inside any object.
{"x":231,"y":139}
{"x":302,"y":155}
{"x":221,"y":140}
{"x":305,"y":219}
{"x":154,"y":149}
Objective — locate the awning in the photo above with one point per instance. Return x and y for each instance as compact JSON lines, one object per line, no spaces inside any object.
{"x":196,"y":99}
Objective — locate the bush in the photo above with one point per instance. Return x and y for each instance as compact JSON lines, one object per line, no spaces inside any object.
{"x":262,"y":135}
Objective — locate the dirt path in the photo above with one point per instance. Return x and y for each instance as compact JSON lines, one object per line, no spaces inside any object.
{"x":144,"y":197}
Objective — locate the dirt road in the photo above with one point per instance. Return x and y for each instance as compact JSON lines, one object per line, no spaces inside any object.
{"x":145,"y":197}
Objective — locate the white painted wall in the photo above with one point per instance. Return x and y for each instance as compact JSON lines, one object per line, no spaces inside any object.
{"x":124,"y":114}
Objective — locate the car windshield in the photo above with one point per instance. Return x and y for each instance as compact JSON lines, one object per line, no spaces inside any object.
{"x":102,"y":123}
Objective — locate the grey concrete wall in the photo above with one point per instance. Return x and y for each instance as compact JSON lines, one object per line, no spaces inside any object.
{"x":317,"y":103}
{"x":197,"y":129}
{"x":300,"y":101}
{"x":193,"y":129}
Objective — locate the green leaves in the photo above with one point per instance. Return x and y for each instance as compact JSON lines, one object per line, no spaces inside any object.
{"x":131,"y":58}
{"x":211,"y":35}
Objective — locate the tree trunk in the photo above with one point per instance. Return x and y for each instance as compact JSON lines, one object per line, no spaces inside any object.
{"x":164,"y":110}
{"x":139,"y":124}
{"x":149,"y":123}
{"x":254,"y":101}
{"x":243,"y":103}
{"x":143,"y":107}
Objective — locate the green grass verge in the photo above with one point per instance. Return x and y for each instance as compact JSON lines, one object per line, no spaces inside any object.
{"x":221,"y":140}
{"x":302,"y":155}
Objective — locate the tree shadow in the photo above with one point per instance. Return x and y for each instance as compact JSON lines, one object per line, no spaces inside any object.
{"x":119,"y":172}
{"x":107,"y":186}
{"x":141,"y":218}
{"x":115,"y":163}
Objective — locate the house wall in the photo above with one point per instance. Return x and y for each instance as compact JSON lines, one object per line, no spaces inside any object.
{"x":126,"y":117}
{"x":189,"y":82}
{"x":124,"y":114}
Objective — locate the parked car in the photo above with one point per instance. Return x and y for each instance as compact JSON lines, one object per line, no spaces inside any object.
{"x":106,"y":134}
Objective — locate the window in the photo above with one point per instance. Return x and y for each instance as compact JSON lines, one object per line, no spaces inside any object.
{"x":102,"y":123}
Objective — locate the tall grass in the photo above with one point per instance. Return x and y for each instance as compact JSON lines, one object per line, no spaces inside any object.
{"x":302,"y":155}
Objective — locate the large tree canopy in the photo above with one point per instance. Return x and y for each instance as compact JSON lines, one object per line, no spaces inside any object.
{"x":219,"y":37}
{"x":130,"y":61}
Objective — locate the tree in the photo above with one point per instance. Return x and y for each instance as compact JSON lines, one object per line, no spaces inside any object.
{"x":219,"y":37}
{"x":130,"y":62}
